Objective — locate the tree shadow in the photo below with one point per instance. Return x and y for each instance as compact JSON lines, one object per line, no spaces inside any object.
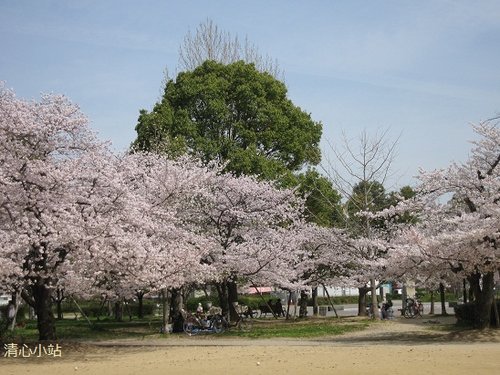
{"x":433,"y":330}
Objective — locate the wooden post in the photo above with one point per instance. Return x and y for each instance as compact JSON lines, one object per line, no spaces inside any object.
{"x":15,"y":306}
{"x":81,"y":311}
{"x":330,"y":300}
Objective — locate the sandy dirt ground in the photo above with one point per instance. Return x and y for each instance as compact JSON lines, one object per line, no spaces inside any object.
{"x":398,"y":346}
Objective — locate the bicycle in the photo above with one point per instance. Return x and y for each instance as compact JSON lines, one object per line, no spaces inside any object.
{"x":212,"y":323}
{"x":414,"y":308}
{"x":245,"y":321}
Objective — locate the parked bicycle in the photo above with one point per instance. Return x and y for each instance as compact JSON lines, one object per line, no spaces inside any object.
{"x":213,"y":322}
{"x":414,"y":308}
{"x":245,"y":321}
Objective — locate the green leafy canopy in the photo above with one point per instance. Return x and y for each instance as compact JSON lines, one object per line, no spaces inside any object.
{"x":232,"y":113}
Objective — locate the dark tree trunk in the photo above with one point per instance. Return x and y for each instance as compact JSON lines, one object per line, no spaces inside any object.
{"x":432,"y":303}
{"x":484,"y":293}
{"x":362,"y":301}
{"x":471,"y":294}
{"x":232,"y":294}
{"x":59,"y":300}
{"x":118,"y":311}
{"x":374,"y":303}
{"x":315,"y":301}
{"x":43,"y":308}
{"x":60,"y":315}
{"x":223,"y":299}
{"x":140,"y":301}
{"x":126,"y":306}
{"x":465,"y":290}
{"x":110,"y":309}
{"x":289,"y":303}
{"x":165,"y":311}
{"x":442,"y":296}
{"x":303,"y":304}
{"x":175,"y":310}
{"x":495,"y":321}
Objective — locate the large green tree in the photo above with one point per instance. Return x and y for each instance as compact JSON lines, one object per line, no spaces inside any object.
{"x":235,"y":114}
{"x":323,"y":202}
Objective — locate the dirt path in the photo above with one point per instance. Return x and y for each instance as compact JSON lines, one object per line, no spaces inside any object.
{"x":386,"y":347}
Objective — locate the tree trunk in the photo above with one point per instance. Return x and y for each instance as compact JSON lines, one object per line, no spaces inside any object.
{"x":126,"y":306}
{"x":289,"y":303}
{"x":14,"y":307}
{"x":165,"y":311}
{"x":43,"y":309}
{"x":175,"y":310}
{"x":471,"y":294}
{"x":59,"y":300}
{"x":373,"y":285}
{"x":60,"y":315}
{"x":140,"y":307}
{"x":303,"y":304}
{"x":484,"y":294}
{"x":232,"y":296}
{"x":465,"y":290}
{"x":118,"y":311}
{"x":496,"y":317}
{"x":223,"y":299}
{"x":442,"y":296}
{"x":315,"y":301}
{"x":432,"y":303}
{"x":362,"y":301}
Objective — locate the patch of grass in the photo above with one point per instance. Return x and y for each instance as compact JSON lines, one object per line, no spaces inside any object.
{"x":80,"y":330}
{"x":302,"y":328}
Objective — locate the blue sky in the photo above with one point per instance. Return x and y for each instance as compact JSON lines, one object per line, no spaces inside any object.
{"x":424,"y":69}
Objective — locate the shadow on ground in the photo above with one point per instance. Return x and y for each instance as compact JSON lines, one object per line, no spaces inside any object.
{"x":421,"y":331}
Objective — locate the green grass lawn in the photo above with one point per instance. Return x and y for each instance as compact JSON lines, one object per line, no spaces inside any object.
{"x":306,"y":328}
{"x":80,"y":330}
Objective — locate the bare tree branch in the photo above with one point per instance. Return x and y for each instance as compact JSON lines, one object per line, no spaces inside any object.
{"x":211,"y":43}
{"x":370,"y":162}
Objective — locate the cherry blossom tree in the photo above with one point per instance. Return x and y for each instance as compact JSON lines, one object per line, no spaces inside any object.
{"x":250,"y":223}
{"x":324,"y":257}
{"x":42,"y":145}
{"x":153,"y":249}
{"x":459,"y":235}
{"x":75,"y":216}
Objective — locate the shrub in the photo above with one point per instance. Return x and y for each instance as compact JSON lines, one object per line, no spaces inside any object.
{"x":148,"y":307}
{"x":251,"y":301}
{"x":4,"y":321}
{"x":338,"y":300}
